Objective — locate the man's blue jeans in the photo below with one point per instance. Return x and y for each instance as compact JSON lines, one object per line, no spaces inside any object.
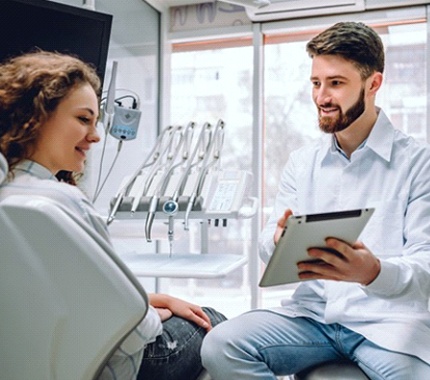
{"x":175,"y":355}
{"x":262,"y":345}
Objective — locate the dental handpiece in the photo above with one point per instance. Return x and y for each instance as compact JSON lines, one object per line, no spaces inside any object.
{"x":114,"y":209}
{"x":170,"y":208}
{"x":144,"y":185}
{"x":150,"y":217}
{"x":186,"y":163}
{"x":214,"y":143}
{"x":123,"y":191}
{"x":172,"y":152}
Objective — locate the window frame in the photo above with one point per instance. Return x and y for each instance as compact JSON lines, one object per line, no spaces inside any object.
{"x":274,"y":32}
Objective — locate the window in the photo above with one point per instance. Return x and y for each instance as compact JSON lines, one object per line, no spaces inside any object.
{"x":290,"y":112}
{"x":217,"y":83}
{"x":208,"y":85}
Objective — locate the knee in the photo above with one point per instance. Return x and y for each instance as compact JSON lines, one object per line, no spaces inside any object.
{"x":213,"y":346}
{"x":215,"y":316}
{"x":224,"y":342}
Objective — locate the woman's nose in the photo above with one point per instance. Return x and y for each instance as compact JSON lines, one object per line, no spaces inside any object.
{"x":93,"y":136}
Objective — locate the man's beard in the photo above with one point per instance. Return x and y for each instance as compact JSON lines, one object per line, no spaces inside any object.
{"x":343,"y":121}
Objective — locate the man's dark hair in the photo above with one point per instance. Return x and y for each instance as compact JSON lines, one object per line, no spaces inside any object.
{"x":354,"y":41}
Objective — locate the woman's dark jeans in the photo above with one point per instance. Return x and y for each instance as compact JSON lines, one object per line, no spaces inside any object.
{"x":175,"y":355}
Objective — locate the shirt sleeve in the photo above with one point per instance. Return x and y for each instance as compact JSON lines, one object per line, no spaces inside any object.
{"x":151,"y":326}
{"x":285,"y":199}
{"x":407,"y":276}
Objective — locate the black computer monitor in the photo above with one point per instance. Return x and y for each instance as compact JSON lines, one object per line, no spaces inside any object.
{"x":27,"y":24}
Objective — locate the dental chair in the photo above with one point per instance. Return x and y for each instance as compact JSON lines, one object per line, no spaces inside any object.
{"x":66,"y":300}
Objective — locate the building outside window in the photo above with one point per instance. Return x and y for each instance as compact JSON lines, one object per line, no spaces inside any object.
{"x":213,"y":83}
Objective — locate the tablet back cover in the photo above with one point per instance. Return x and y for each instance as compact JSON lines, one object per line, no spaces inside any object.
{"x":304,"y":232}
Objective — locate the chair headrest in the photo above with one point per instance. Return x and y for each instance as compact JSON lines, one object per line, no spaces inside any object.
{"x":4,"y":168}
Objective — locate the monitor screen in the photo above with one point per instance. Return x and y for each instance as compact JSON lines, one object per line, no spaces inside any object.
{"x":26,"y":24}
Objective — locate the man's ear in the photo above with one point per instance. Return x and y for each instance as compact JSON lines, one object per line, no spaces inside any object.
{"x":375,"y":82}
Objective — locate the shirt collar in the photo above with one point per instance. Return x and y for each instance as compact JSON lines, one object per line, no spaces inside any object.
{"x":35,"y":169}
{"x":380,"y":139}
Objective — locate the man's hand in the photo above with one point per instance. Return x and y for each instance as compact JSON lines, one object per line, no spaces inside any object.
{"x":281,"y":225}
{"x":348,"y":263}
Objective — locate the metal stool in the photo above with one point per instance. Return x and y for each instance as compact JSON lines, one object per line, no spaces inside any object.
{"x":339,"y":370}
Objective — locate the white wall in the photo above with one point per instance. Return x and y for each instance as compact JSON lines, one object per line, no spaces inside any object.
{"x":134,"y":45}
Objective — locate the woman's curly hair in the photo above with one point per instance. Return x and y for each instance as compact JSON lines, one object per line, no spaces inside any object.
{"x":31,"y":87}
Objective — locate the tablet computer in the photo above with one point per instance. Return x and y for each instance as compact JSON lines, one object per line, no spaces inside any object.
{"x":306,"y":231}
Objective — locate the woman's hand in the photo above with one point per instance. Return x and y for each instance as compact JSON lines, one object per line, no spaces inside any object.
{"x":164,"y":314}
{"x":167,"y":306}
